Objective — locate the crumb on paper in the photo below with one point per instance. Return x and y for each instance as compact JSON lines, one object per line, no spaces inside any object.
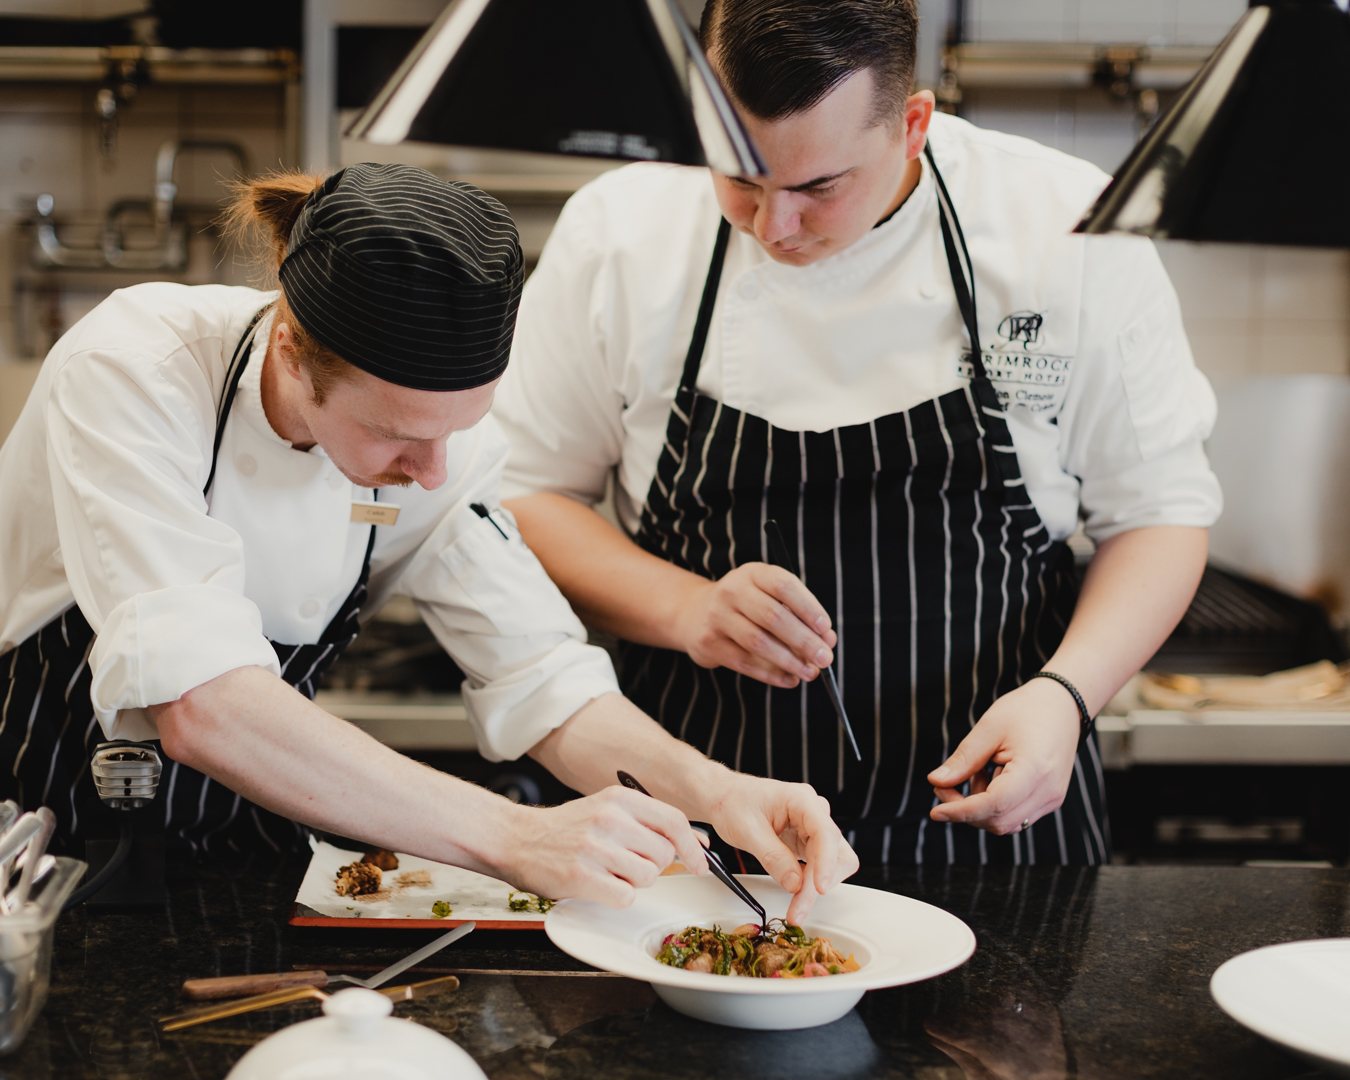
{"x":385,"y":859}
{"x":358,"y":879}
{"x":413,"y":879}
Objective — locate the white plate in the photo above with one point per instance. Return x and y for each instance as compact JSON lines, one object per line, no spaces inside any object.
{"x":1296,"y":994}
{"x":896,"y":940}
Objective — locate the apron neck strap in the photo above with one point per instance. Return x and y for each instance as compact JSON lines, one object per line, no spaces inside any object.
{"x":958,"y":263}
{"x":233,"y":373}
{"x":694,"y":357}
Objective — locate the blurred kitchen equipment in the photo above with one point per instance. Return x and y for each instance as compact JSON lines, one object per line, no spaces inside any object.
{"x":356,"y":1036}
{"x":26,"y":952}
{"x":714,"y":861}
{"x":288,"y":995}
{"x":169,"y":249}
{"x":610,"y":78}
{"x":130,"y":872}
{"x":1194,"y":177}
{"x":236,"y":985}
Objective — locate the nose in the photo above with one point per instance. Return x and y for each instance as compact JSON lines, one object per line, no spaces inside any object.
{"x":777,"y":218}
{"x":426,"y":464}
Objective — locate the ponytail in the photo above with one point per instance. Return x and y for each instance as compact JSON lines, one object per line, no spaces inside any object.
{"x":265,"y":210}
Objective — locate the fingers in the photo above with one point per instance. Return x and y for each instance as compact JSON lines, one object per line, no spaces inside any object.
{"x":967,"y":759}
{"x":802,"y":902}
{"x":789,"y":590}
{"x":1001,"y":808}
{"x":660,"y":822}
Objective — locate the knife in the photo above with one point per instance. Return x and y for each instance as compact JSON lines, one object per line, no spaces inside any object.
{"x":411,"y":992}
{"x":778,"y":552}
{"x":236,"y":985}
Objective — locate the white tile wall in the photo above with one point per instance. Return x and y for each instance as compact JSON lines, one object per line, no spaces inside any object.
{"x":1152,"y":22}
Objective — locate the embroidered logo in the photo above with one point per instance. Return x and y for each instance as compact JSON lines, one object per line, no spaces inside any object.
{"x":1023,"y":327}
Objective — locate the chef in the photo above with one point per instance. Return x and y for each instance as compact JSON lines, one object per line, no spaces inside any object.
{"x":893,"y":347}
{"x":210,"y":486}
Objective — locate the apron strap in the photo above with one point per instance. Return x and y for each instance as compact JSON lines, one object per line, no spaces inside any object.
{"x":694,"y":357}
{"x":959,"y":264}
{"x":233,"y":373}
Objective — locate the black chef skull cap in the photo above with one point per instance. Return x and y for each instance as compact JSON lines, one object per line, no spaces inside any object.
{"x":411,"y":278}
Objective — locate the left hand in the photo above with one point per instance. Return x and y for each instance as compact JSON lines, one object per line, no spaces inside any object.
{"x":1030,"y":737}
{"x":779,"y":824}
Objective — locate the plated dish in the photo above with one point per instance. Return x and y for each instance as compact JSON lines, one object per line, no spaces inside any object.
{"x":1296,"y":994}
{"x":893,"y":939}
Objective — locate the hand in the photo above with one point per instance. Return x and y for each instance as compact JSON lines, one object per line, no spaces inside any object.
{"x":779,"y":824}
{"x":1030,"y":736}
{"x":603,"y":847}
{"x":758,"y":620}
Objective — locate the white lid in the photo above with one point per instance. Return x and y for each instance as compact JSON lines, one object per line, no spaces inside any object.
{"x":356,"y":1037}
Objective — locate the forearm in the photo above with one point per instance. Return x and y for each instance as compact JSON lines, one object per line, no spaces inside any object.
{"x":260,"y":738}
{"x":1137,"y":588}
{"x":611,"y":583}
{"x":611,"y":733}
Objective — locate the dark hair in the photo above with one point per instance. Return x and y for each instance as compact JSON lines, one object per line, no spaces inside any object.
{"x":779,"y":57}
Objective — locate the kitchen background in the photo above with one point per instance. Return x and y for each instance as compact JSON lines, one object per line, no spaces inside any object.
{"x":120,"y":121}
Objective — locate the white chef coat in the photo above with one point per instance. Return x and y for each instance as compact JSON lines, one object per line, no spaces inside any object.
{"x":1082,"y":336}
{"x":101,"y":504}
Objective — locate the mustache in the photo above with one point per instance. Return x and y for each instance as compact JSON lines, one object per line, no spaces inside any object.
{"x":393,"y":479}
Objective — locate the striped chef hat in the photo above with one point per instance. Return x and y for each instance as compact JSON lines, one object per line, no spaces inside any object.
{"x":413,"y":279}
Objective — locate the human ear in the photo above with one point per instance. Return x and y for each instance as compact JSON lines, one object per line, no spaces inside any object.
{"x":918,"y":115}
{"x":284,"y":344}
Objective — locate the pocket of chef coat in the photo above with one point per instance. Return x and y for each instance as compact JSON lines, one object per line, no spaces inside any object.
{"x":1157,"y":371}
{"x":503,"y":579}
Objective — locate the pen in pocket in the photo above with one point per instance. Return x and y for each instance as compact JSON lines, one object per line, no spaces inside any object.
{"x":486,"y":514}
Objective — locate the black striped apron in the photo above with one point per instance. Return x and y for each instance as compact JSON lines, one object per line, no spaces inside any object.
{"x":48,"y":731}
{"x":916,"y":533}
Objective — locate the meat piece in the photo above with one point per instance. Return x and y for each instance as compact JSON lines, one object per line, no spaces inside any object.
{"x":702,"y":962}
{"x":385,"y":859}
{"x":358,"y":878}
{"x":772,"y":957}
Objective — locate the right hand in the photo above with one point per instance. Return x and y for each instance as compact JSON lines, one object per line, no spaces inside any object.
{"x":761,"y":621}
{"x":603,"y":847}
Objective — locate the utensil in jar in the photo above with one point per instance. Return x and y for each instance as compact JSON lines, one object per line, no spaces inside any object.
{"x":237,"y":985}
{"x":409,"y":992}
{"x":12,"y":841}
{"x":715,"y":863}
{"x":33,"y":853}
{"x":778,"y":553}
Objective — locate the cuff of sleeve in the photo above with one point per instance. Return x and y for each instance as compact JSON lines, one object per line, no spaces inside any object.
{"x":157,"y":646}
{"x":1176,"y":489}
{"x":511,"y":714}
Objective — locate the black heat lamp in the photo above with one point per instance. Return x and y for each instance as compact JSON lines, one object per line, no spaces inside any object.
{"x":608,"y":78}
{"x":1256,"y":148}
{"x":125,"y":829}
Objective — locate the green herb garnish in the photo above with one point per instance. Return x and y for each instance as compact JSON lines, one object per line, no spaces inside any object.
{"x":440,"y":909}
{"x":523,"y":901}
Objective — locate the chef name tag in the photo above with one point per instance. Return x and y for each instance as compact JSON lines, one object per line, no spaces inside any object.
{"x":374,"y":513}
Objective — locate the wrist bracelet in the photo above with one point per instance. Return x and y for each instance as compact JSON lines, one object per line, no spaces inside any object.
{"x":1083,"y":713}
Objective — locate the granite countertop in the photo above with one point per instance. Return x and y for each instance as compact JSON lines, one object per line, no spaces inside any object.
{"x":1079,"y":973}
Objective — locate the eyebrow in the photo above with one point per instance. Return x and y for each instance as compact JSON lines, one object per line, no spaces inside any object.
{"x":397,"y":436}
{"x":819,"y":181}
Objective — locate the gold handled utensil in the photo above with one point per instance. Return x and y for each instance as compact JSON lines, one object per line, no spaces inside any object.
{"x":410,"y":992}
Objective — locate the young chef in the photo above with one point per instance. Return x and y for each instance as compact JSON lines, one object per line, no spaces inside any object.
{"x":812,"y":348}
{"x":197,"y":508}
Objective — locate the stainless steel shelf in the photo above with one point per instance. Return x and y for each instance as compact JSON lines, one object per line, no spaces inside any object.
{"x":1157,"y":737}
{"x":203,"y":66}
{"x":1053,"y":65}
{"x":405,"y":721}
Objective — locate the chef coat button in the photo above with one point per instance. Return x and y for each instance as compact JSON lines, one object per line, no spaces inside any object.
{"x":246,"y":465}
{"x":928,"y":290}
{"x":336,"y":480}
{"x":749,"y":290}
{"x":309,"y":608}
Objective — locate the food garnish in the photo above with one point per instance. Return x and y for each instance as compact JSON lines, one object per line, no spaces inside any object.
{"x":776,"y":951}
{"x":440,"y":909}
{"x":357,"y":879}
{"x":523,"y":901}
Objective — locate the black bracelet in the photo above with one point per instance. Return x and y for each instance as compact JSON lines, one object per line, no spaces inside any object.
{"x":1083,"y":713}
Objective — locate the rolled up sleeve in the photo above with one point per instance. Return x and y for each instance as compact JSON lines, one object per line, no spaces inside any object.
{"x":160,"y":581}
{"x":491,"y":605}
{"x":1138,"y":411}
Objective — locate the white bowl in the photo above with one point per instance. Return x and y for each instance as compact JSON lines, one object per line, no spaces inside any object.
{"x":897,"y":940}
{"x":1296,"y":994}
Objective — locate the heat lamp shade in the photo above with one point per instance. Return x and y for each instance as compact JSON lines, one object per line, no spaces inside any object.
{"x":606,"y":78}
{"x":1256,"y":148}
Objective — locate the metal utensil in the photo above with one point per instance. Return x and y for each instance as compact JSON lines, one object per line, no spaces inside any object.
{"x":715,"y":863}
{"x":12,"y":841}
{"x":37,"y":847}
{"x":237,"y":985}
{"x":410,"y":992}
{"x":778,"y":552}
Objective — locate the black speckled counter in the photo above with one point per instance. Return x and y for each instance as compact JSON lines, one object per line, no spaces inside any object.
{"x":1079,"y":973}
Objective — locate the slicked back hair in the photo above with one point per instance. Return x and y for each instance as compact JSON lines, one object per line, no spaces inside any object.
{"x":780,"y":57}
